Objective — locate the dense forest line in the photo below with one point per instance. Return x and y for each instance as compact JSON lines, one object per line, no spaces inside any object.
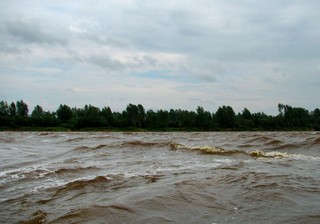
{"x":16,"y":116}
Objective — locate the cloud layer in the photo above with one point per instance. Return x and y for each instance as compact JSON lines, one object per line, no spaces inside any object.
{"x":162,"y":54}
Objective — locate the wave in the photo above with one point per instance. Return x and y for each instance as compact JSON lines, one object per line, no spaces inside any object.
{"x":225,"y":152}
{"x":126,"y":144}
{"x":274,"y":142}
{"x":260,"y":139}
{"x":79,"y":184}
{"x":143,"y":144}
{"x":75,"y":139}
{"x":52,"y":135}
{"x":24,"y":174}
{"x":113,"y":213}
{"x":268,"y":142}
{"x":316,"y":141}
{"x":43,"y":133}
{"x":7,"y":140}
{"x":74,"y":170}
{"x":38,"y":217}
{"x":95,"y":137}
{"x":100,"y":146}
{"x":287,"y":146}
{"x":87,"y":148}
{"x":152,"y":178}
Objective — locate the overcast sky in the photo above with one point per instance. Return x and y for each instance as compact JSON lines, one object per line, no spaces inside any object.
{"x":161,"y":54}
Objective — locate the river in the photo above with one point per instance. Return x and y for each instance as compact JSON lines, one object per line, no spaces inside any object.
{"x":152,"y":177}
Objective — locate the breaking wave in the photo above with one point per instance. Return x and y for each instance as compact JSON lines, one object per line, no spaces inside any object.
{"x":254,"y":153}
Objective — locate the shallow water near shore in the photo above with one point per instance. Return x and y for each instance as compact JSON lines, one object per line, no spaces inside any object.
{"x":183,"y":177}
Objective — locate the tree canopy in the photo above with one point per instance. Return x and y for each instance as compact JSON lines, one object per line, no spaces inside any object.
{"x":16,"y":115}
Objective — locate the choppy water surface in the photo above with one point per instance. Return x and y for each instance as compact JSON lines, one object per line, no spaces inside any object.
{"x":264,"y":177}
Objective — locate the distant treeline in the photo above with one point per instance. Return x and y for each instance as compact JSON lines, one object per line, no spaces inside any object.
{"x":16,"y":116}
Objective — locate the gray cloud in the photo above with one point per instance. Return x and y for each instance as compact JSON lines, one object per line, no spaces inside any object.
{"x":32,"y":32}
{"x":228,"y":52}
{"x":105,"y":62}
{"x":9,"y":49}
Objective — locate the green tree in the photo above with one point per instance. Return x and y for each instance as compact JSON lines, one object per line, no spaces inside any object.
{"x":162,"y":118}
{"x":203,"y":118}
{"x":188,"y":118}
{"x":225,"y":116}
{"x":89,"y":116}
{"x":136,"y":115}
{"x":301,"y":117}
{"x":12,"y":109}
{"x":246,"y":114}
{"x":4,"y":108}
{"x":151,"y":119}
{"x":5,"y":119}
{"x":21,"y":118}
{"x":64,"y":113}
{"x":120,"y":119}
{"x":107,"y":118}
{"x":316,"y":119}
{"x":132,"y":113}
{"x":141,"y":115}
{"x":92,"y":116}
{"x":263,"y":121}
{"x":37,"y":116}
{"x":294,"y":117}
{"x":41,"y":118}
{"x":22,"y":108}
{"x":245,"y":120}
{"x":37,"y":111}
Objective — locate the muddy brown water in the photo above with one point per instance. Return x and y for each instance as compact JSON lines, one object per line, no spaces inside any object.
{"x":184,"y":177}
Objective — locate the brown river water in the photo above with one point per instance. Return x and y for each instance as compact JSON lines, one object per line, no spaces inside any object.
{"x":183,"y":177}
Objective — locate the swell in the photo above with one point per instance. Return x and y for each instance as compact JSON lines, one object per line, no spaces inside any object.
{"x":225,"y":152}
